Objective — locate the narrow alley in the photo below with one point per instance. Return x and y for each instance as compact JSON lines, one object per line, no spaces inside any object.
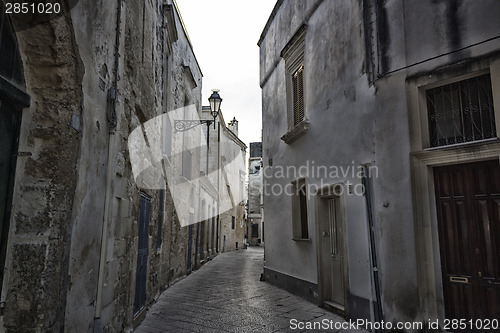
{"x":226,"y":295}
{"x":152,"y":153}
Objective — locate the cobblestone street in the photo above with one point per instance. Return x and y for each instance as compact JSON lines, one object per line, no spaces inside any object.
{"x":226,"y":295}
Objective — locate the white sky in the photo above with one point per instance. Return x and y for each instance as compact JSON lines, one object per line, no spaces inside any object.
{"x":224,"y":35}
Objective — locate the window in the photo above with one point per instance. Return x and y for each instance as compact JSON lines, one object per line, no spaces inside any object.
{"x":299,"y":210}
{"x":254,"y":168}
{"x":461,"y":112}
{"x":262,"y":231}
{"x":293,"y":54}
{"x":298,"y":95}
{"x":232,"y":223}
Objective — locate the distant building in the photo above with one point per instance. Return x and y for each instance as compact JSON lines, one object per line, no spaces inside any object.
{"x":255,"y":231}
{"x":255,"y":149}
{"x":225,"y":175}
{"x":381,"y":156}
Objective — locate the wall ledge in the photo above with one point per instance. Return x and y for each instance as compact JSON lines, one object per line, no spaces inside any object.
{"x":296,"y":132}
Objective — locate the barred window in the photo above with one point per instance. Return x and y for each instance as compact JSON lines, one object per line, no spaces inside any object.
{"x":461,"y":112}
{"x":298,"y":95}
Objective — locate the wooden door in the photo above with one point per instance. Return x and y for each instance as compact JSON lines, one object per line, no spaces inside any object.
{"x":336,"y":254}
{"x":9,"y":134}
{"x":332,"y":270}
{"x":468,"y":207}
{"x":142,"y":253}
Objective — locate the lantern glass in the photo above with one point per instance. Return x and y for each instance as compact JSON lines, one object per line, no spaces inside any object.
{"x":215,"y":101}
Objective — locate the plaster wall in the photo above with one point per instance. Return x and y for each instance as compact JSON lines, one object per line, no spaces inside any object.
{"x":335,"y":88}
{"x":352,"y":123}
{"x":360,"y":66}
{"x":233,"y":194}
{"x":436,"y":28}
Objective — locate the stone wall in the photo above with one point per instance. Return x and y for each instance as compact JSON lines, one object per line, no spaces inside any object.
{"x":73,"y":241}
{"x":35,"y":278}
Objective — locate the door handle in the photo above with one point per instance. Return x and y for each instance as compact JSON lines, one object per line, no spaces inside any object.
{"x":326,"y":234}
{"x":480,"y":274}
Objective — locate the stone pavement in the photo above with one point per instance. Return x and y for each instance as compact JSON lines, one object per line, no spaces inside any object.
{"x":225,"y":295}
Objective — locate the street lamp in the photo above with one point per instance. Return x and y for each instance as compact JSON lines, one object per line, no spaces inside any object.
{"x":215,"y":102}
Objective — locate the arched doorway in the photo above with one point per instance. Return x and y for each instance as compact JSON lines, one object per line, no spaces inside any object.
{"x":13,"y":99}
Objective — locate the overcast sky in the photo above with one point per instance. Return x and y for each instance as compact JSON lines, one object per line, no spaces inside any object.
{"x":224,"y":34}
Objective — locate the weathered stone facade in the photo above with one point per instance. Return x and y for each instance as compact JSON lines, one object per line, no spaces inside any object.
{"x":93,"y":76}
{"x":365,"y":68}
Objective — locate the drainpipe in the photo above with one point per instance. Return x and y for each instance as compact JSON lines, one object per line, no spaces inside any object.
{"x":112,"y":123}
{"x":373,"y":253}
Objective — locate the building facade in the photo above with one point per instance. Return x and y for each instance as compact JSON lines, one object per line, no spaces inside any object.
{"x":255,"y":229}
{"x":100,"y":193}
{"x":381,"y":156}
{"x":226,"y":165}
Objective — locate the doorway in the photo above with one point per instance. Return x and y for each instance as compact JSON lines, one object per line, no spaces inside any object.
{"x":141,"y":275}
{"x":9,"y":134}
{"x":190,"y":243}
{"x":468,"y":208}
{"x":13,"y":99}
{"x":332,"y":259}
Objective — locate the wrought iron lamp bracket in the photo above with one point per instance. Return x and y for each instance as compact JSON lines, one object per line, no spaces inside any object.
{"x":184,"y":125}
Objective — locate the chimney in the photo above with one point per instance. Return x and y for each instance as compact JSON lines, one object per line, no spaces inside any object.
{"x":233,"y":126}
